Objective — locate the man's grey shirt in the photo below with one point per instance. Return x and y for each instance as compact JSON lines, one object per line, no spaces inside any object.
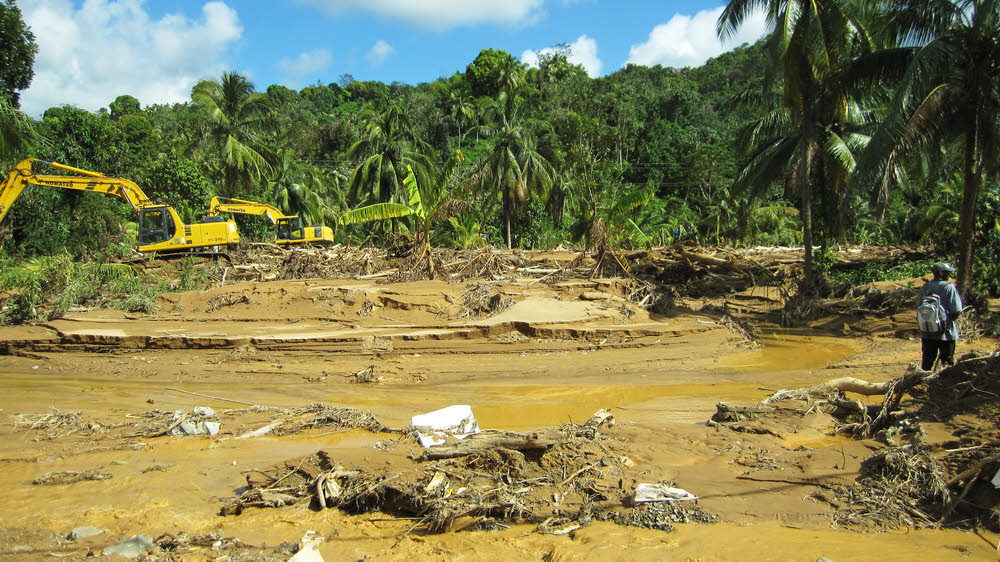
{"x":951,"y":302}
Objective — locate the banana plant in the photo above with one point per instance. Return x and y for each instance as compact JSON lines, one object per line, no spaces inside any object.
{"x":607,"y":224}
{"x":427,"y":205}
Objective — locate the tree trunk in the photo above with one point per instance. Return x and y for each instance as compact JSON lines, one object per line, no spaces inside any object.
{"x":967,"y":216}
{"x":428,"y":253}
{"x":805,"y":189}
{"x":804,"y":179}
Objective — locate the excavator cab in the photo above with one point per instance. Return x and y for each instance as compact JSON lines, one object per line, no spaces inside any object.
{"x":289,"y":229}
{"x":155,"y":225}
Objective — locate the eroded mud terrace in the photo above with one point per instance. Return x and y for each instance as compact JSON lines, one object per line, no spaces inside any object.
{"x":524,"y":355}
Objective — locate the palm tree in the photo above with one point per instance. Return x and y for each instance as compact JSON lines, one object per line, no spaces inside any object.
{"x":298,"y":190}
{"x":462,"y":107}
{"x":513,"y":167}
{"x":388,"y":146}
{"x":949,"y":97}
{"x":840,"y":135}
{"x":429,"y":203}
{"x":607,"y":222}
{"x":238,"y":118}
{"x":811,"y":43}
{"x":16,"y":132}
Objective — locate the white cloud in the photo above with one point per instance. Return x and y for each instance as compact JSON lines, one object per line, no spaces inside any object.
{"x":583,"y":52}
{"x":88,"y":56}
{"x":441,"y":15}
{"x":379,"y":52}
{"x":298,"y":69}
{"x":691,"y":40}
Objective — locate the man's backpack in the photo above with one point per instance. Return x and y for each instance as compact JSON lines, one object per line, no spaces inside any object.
{"x":931,"y":316}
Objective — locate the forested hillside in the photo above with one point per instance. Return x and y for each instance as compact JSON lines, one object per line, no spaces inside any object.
{"x":664,"y":134}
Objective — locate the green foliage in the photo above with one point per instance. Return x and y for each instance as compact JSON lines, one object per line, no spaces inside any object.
{"x":186,"y":275}
{"x":143,"y":302}
{"x":987,"y":277}
{"x":463,"y":232}
{"x":46,"y":221}
{"x":179,"y":182}
{"x":17,"y":52}
{"x":306,"y":191}
{"x":493,"y":71}
{"x":83,"y":140}
{"x":873,"y":272}
{"x":428,"y":202}
{"x":388,"y":146}
{"x":123,"y":106}
{"x":16,"y":132}
{"x":825,"y":260}
{"x":376,"y":212}
{"x":946,"y":98}
{"x":713,"y":153}
{"x":236,"y":118}
{"x":607,"y":219}
{"x":57,"y":283}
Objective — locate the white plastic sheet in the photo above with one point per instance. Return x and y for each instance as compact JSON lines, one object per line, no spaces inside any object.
{"x":661,"y":493}
{"x":433,"y":428}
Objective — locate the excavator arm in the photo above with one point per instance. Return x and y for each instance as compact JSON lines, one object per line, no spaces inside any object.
{"x":225,"y":205}
{"x":22,"y":176}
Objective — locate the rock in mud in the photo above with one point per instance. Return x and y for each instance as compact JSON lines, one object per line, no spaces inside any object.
{"x":79,"y":533}
{"x":132,"y":548}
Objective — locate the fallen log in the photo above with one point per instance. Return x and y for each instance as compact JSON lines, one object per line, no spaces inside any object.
{"x":707,"y":260}
{"x":488,"y":440}
{"x":726,"y":413}
{"x":843,"y":384}
{"x":874,"y":417}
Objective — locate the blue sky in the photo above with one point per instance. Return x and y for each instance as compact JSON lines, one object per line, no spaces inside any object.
{"x":91,"y":51}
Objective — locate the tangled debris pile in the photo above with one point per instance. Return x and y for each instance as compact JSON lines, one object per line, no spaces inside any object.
{"x":948,"y":482}
{"x":296,"y":420}
{"x":486,"y":263}
{"x":53,"y":424}
{"x":951,"y":483}
{"x":69,"y":477}
{"x":482,"y":300}
{"x":558,"y":478}
{"x":324,"y":415}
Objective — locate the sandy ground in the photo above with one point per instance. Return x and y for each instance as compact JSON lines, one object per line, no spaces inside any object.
{"x":558,"y":354}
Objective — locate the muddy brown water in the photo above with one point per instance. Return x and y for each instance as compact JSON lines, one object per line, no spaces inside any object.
{"x":661,"y":387}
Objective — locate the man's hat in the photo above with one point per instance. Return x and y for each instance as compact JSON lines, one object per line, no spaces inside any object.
{"x":942,"y":266}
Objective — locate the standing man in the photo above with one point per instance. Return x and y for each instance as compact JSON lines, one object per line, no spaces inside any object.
{"x":940,"y":344}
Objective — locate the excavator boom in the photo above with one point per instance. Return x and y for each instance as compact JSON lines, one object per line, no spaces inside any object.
{"x":160,"y":227}
{"x":91,"y":181}
{"x":225,"y":205}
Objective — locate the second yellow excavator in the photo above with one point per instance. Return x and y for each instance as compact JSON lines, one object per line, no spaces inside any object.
{"x":288,"y":229}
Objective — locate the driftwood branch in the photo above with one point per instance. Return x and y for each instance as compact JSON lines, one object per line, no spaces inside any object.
{"x":843,"y":384}
{"x":706,"y":260}
{"x":489,"y":440}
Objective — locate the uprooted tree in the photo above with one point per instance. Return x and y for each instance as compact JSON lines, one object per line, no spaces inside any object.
{"x":919,"y":483}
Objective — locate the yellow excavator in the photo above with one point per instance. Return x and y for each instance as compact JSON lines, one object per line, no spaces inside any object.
{"x":160,"y":227}
{"x":288,"y":229}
